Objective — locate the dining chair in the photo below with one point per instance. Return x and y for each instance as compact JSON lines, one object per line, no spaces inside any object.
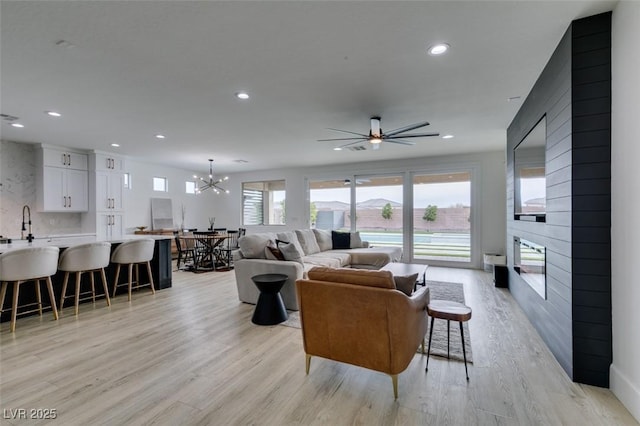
{"x":204,"y":258}
{"x":185,"y":248}
{"x":229,"y":247}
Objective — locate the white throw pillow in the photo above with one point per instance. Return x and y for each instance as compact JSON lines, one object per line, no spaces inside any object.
{"x":307,"y":240}
{"x":323,"y":238}
{"x":356,"y":241}
{"x":252,"y":246}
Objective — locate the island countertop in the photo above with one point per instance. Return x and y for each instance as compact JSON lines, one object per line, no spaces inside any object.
{"x":64,"y":241}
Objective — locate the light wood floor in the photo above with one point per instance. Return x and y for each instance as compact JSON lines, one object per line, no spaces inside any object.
{"x":190,"y":355}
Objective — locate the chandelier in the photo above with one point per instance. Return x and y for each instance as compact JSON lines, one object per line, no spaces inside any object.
{"x":211,"y":183}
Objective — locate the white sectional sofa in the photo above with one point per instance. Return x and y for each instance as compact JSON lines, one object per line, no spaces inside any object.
{"x":316,"y":249}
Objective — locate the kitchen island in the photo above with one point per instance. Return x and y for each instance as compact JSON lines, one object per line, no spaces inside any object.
{"x":160,"y":265}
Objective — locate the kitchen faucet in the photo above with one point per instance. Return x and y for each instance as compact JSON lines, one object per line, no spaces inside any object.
{"x":24,"y":228}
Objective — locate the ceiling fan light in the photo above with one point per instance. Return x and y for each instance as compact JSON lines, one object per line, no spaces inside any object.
{"x":375,"y":140}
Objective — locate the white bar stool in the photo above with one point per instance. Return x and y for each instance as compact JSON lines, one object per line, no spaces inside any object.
{"x":133,"y":252}
{"x":23,"y":265}
{"x":91,"y":257}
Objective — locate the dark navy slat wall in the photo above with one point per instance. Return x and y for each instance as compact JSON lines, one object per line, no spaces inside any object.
{"x":591,"y":210}
{"x":574,"y":92}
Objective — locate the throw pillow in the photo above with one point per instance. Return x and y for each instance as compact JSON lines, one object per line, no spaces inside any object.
{"x":356,"y":241}
{"x":307,"y":240}
{"x":406,"y":284}
{"x":289,"y":251}
{"x":340,"y":240}
{"x":291,"y":237}
{"x":272,"y":252}
{"x":323,"y":238}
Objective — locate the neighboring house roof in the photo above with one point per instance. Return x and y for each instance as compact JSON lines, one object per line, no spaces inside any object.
{"x":331,"y":205}
{"x":378,"y":202}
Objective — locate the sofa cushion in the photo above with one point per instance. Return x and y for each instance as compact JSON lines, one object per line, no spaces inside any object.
{"x":343,"y":259}
{"x":323,"y":238}
{"x":382,"y":279}
{"x":307,"y":240}
{"x":290,"y":251}
{"x":329,"y":262}
{"x":252,"y":245}
{"x":291,"y":237}
{"x":406,"y":283}
{"x":340,"y":240}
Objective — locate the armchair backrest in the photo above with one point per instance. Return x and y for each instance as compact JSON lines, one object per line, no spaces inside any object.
{"x":358,"y":317}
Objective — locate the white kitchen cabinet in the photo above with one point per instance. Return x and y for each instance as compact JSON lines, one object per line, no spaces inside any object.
{"x":109,"y":191}
{"x":110,"y":226}
{"x":62,"y":181}
{"x":108,"y":162}
{"x":54,"y":157}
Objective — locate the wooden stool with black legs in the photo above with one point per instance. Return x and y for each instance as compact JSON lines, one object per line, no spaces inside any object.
{"x":451,"y":311}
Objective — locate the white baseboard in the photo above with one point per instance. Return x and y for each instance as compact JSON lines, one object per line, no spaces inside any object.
{"x":625,"y":391}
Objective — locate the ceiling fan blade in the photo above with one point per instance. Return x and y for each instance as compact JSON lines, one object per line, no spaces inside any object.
{"x":400,"y":141}
{"x":343,"y":139}
{"x":415,"y":135}
{"x":346,"y":131}
{"x":407,"y":128}
{"x":352,"y":143}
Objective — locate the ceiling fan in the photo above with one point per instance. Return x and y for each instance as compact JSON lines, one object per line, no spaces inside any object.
{"x":376,"y":135}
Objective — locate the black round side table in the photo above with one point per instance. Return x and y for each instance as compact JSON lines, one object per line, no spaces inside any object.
{"x":270,"y":309}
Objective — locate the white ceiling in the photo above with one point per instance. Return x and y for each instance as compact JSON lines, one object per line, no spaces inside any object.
{"x":139,"y":68}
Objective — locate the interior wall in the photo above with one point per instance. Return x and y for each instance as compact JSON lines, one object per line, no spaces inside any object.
{"x":574,"y":92}
{"x":490,"y":196}
{"x":197,"y":208}
{"x":625,"y":204}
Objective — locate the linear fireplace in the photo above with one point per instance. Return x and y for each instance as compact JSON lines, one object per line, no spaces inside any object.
{"x":530,"y":263}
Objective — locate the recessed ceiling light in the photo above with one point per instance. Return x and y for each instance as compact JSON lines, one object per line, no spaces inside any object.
{"x":337,"y":148}
{"x":159,"y":136}
{"x":53,"y":114}
{"x":242,"y":95}
{"x":438,"y":49}
{"x":447,"y":137}
{"x":17,"y":125}
{"x":115,"y":145}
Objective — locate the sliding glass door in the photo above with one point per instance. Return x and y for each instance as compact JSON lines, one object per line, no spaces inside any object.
{"x":428,"y":214}
{"x":379,"y":209}
{"x":442,"y":217}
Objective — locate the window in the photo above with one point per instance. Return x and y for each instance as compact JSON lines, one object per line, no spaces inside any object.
{"x":329,"y":203}
{"x":160,"y":184}
{"x":263,"y":203}
{"x":127,"y":181}
{"x":190,"y":187}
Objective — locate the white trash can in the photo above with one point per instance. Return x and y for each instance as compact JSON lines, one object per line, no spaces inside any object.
{"x":491,"y":259}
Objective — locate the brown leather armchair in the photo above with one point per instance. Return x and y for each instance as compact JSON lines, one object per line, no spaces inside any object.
{"x":358,"y":317}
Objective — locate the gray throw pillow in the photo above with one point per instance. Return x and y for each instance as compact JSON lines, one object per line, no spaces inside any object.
{"x":406,"y":283}
{"x":290,"y":251}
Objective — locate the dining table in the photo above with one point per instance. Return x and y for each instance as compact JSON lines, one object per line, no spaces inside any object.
{"x":206,"y":250}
